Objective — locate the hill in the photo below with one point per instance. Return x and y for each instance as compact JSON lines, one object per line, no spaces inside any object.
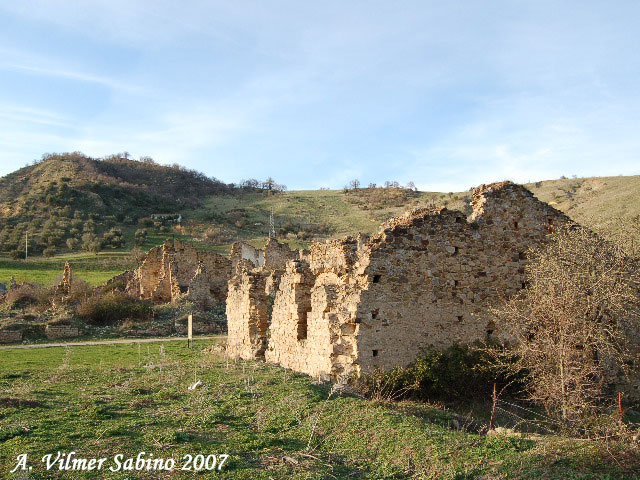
{"x":71,"y":204}
{"x":593,"y":201}
{"x":71,"y":196}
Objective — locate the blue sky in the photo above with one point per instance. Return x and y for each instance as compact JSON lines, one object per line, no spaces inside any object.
{"x":445,"y":94}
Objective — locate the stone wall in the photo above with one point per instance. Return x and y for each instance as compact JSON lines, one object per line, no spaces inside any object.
{"x":177,"y":270}
{"x":61,"y":331}
{"x":250,"y":299}
{"x":243,"y":251}
{"x":8,"y":336}
{"x":427,"y":279}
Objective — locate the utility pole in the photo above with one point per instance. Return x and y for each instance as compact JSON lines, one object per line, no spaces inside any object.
{"x":272,"y":225}
{"x":26,"y":244}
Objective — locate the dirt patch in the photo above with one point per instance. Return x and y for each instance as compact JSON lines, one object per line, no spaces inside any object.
{"x":16,"y":402}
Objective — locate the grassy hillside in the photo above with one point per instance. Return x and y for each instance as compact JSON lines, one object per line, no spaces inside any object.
{"x":593,"y":201}
{"x":305,"y":215}
{"x":100,"y":401}
{"x":70,"y":202}
{"x":67,"y":200}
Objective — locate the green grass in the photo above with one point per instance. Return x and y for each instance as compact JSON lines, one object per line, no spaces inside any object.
{"x":594,"y":201}
{"x":92,"y":268}
{"x":104,"y":400}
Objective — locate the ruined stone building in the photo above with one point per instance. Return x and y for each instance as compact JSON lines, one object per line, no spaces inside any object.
{"x":427,"y":279}
{"x":177,"y":270}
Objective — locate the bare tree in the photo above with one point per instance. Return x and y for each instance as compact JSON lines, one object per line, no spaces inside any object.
{"x":570,"y":327}
{"x":412,"y":186}
{"x":354,"y":184}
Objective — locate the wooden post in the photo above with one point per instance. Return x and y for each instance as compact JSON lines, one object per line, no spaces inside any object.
{"x":493,"y":408}
{"x":620,"y":407}
{"x":190,"y":330}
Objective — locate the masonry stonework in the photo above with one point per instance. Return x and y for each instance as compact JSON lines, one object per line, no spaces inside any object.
{"x":10,"y":336}
{"x":427,"y":279}
{"x":177,"y":270}
{"x":250,"y":299}
{"x":61,"y":331}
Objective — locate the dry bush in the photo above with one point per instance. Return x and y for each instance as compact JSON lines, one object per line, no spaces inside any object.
{"x":112,"y":308}
{"x":80,"y":290}
{"x":28,"y":295}
{"x":571,"y":326}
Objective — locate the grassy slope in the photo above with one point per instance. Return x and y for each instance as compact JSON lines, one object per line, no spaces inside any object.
{"x":303,"y":207}
{"x":593,"y":201}
{"x":104,"y":400}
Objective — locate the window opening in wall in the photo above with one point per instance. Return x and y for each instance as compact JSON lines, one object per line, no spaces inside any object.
{"x":376,"y":278}
{"x":456,"y":283}
{"x":374,"y":314}
{"x":459,"y":317}
{"x":375,"y":353}
{"x":491,"y":327}
{"x":302,"y":325}
{"x":515,"y":225}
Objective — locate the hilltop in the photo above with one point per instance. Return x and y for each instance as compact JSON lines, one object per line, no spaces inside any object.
{"x":114,"y":185}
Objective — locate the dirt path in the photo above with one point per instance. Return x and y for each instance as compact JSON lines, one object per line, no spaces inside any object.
{"x":108,"y":342}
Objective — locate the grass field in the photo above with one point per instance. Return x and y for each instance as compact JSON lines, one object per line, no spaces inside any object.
{"x":101,"y":401}
{"x":92,"y":268}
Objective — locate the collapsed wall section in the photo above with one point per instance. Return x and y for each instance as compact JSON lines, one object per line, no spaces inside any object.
{"x":313,"y":325}
{"x":426,"y":280}
{"x":169,"y":271}
{"x":250,"y":298}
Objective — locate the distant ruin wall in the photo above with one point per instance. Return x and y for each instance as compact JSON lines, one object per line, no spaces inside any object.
{"x":9,"y":336}
{"x":61,"y":331}
{"x":177,"y":270}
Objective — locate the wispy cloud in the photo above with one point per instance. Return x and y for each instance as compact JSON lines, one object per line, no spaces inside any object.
{"x":71,"y":74}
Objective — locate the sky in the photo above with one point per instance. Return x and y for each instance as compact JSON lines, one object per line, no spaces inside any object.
{"x":447,"y":95}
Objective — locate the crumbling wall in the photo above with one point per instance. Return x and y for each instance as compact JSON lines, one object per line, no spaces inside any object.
{"x":169,"y":270}
{"x":63,"y":289}
{"x":199,"y":289}
{"x":427,"y":279}
{"x":248,"y":309}
{"x":250,"y":300}
{"x":434,"y":274}
{"x":313,"y":323}
{"x":276,"y":254}
{"x":243,"y":251}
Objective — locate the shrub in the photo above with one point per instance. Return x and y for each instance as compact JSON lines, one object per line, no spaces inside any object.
{"x":49,"y":252}
{"x":28,"y":295}
{"x":17,"y":254}
{"x":145,"y":222}
{"x":72,"y":243}
{"x":458,"y":372}
{"x":108,"y":309}
{"x":140,"y":236}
